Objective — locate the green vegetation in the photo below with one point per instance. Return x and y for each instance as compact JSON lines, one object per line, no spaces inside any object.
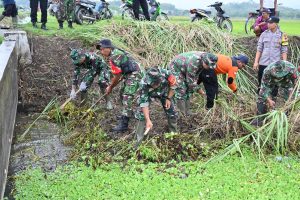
{"x":1,"y":39}
{"x":173,"y":165}
{"x":291,"y":27}
{"x":277,"y":178}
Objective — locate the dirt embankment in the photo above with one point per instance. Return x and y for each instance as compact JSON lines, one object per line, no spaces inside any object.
{"x":51,"y":73}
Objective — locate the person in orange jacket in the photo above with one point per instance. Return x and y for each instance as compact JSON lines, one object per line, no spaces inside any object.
{"x":225,"y":65}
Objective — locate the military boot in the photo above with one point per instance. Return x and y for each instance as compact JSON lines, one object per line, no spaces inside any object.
{"x":140,"y":129}
{"x":181,"y":107}
{"x":34,"y":25}
{"x":70,"y":24}
{"x":60,"y":25}
{"x":261,"y":109}
{"x":123,"y":124}
{"x":172,"y":124}
{"x":14,"y":21}
{"x":43,"y":26}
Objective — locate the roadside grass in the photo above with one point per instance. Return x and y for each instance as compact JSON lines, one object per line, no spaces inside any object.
{"x":291,"y":27}
{"x":232,"y":178}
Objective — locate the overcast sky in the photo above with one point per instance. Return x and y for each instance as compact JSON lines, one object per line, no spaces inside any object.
{"x":188,"y":4}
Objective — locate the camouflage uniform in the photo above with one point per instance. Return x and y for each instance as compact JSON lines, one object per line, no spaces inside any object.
{"x":132,"y":72}
{"x":156,"y":84}
{"x":95,"y":65}
{"x":66,"y":11}
{"x":147,"y":92}
{"x":187,"y":67}
{"x":278,"y":74}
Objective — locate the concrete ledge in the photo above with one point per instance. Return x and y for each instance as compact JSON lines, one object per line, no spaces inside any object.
{"x":8,"y":104}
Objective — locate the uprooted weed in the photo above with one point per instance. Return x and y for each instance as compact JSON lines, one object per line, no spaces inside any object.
{"x":202,"y":134}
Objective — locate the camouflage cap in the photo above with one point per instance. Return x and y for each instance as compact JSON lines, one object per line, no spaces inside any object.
{"x":153,"y":76}
{"x":282,"y":68}
{"x":76,"y":55}
{"x":210,"y":59}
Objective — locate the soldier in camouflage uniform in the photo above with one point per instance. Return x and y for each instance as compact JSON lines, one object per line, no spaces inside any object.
{"x":123,"y":66}
{"x":96,"y":66}
{"x":278,"y":74}
{"x":187,"y":67}
{"x":66,"y":11}
{"x":157,"y":83}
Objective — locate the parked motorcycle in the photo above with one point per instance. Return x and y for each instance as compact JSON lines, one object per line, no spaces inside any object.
{"x":127,"y":10}
{"x":85,"y":12}
{"x":155,"y":12}
{"x":222,"y":20}
{"x":104,"y":11}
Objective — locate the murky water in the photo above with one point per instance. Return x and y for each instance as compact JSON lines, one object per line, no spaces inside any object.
{"x":43,"y":147}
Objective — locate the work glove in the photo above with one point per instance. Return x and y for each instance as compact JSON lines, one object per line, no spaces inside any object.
{"x":73,"y":94}
{"x":82,"y":86}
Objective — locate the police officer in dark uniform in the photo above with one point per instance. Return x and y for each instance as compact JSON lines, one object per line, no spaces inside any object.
{"x":136,"y":9}
{"x":33,"y":14}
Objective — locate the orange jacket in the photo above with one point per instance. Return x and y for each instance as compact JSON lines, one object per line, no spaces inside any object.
{"x":224,"y":66}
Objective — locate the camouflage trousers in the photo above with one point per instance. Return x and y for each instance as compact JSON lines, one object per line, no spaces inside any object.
{"x":66,"y":11}
{"x":262,"y":107}
{"x":128,"y":91}
{"x":171,"y":112}
{"x":183,"y":92}
{"x":103,"y":80}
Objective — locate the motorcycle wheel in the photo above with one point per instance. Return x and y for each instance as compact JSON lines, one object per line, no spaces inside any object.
{"x":249,"y":25}
{"x":226,"y":24}
{"x":106,"y":14}
{"x":79,"y":16}
{"x":162,"y":17}
{"x":127,"y":14}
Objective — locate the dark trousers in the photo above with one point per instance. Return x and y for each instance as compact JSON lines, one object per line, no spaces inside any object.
{"x":272,"y":12}
{"x":34,"y":7}
{"x":10,"y":10}
{"x":260,"y":75}
{"x":210,"y":82}
{"x":136,"y":9}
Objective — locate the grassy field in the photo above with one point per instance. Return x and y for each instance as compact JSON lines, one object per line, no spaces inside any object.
{"x":233,"y":178}
{"x":291,"y":27}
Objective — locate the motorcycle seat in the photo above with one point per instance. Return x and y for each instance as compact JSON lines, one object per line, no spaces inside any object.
{"x":204,"y":11}
{"x":88,"y":2}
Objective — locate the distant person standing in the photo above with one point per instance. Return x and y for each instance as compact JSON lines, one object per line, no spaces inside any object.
{"x":136,"y":9}
{"x":271,"y":47}
{"x":33,"y":14}
{"x":270,"y":4}
{"x":261,"y":23}
{"x":10,"y":10}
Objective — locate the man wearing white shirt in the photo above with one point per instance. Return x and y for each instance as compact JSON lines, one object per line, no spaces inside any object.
{"x":270,"y":4}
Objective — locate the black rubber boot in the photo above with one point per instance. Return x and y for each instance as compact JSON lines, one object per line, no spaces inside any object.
{"x":34,"y":25}
{"x":70,"y":24}
{"x":60,"y":25}
{"x":123,"y":124}
{"x":261,"y":109}
{"x":181,"y":105}
{"x":172,"y":124}
{"x":44,"y":26}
